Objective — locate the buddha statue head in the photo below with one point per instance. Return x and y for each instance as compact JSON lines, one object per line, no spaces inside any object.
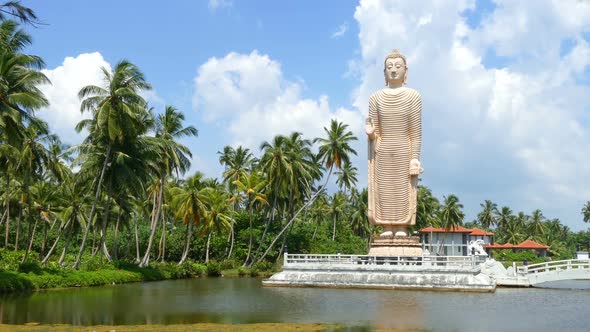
{"x":395,"y":69}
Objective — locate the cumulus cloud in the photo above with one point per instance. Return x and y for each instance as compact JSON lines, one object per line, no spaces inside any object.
{"x":512,"y":132}
{"x":251,"y":94}
{"x":63,"y":113}
{"x":342,"y":28}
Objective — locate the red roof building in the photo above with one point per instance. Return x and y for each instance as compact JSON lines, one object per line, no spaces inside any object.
{"x":453,"y":241}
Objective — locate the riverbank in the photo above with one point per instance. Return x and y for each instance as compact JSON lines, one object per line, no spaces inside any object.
{"x":30,"y":277}
{"x":176,"y":327}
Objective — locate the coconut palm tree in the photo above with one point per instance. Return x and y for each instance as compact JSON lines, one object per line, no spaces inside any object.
{"x":251,"y":190}
{"x":333,"y":152}
{"x":16,"y":10}
{"x":586,"y":212}
{"x":427,"y":210}
{"x":337,"y":205}
{"x":536,"y":227}
{"x":487,"y":217}
{"x":190,"y":207}
{"x":347,"y":177}
{"x":503,"y":217}
{"x":216,"y":216}
{"x":173,"y":157}
{"x":118,"y":116}
{"x":451,"y":215}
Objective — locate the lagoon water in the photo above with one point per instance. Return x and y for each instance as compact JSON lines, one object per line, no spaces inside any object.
{"x":244,"y":300}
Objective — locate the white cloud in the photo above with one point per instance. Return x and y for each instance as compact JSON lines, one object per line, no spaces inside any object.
{"x":342,"y":28}
{"x":517,"y":131}
{"x":251,"y":94}
{"x":63,"y":113}
{"x":216,"y":4}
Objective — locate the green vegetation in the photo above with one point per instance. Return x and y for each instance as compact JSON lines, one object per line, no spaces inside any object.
{"x":120,"y":206}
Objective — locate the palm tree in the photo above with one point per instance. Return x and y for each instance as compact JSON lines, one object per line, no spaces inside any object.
{"x":503,"y":217}
{"x":216,"y":215}
{"x":347,"y":177}
{"x":337,"y":205}
{"x":451,"y":214}
{"x":536,"y":227}
{"x":188,"y":202}
{"x":15,"y":9}
{"x":427,"y":210}
{"x":118,"y":115}
{"x":19,"y":92}
{"x":586,"y":212}
{"x":487,"y":216}
{"x":251,"y":188}
{"x":173,"y":158}
{"x":359,"y":220}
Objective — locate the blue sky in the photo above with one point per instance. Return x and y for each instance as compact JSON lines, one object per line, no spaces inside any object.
{"x":505,"y":84}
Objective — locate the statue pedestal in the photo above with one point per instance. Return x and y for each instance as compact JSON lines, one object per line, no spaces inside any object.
{"x":396,"y":246}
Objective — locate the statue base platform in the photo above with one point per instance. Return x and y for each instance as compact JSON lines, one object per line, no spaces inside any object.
{"x":363,"y":271}
{"x":396,"y":246}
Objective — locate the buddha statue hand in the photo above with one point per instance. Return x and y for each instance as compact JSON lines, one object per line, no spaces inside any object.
{"x":415,"y":168}
{"x":370,"y":128}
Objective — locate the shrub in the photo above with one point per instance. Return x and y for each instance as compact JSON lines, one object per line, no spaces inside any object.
{"x":213,"y":269}
{"x":242,"y":271}
{"x":13,"y":282}
{"x":228,"y":264}
{"x":27,"y":267}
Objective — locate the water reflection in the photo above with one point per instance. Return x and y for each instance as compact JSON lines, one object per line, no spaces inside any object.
{"x":239,"y":301}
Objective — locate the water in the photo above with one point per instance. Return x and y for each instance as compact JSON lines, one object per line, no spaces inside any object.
{"x":240,"y":301}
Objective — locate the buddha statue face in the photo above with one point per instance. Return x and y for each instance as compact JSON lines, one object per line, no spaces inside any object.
{"x":395,"y":70}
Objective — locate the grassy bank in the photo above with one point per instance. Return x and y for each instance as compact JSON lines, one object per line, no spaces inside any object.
{"x":29,"y":276}
{"x":176,"y":328}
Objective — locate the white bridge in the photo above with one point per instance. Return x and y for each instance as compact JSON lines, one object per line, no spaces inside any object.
{"x":571,"y":269}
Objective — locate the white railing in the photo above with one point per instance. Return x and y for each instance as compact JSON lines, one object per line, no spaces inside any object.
{"x":555,"y":266}
{"x":355,"y":260}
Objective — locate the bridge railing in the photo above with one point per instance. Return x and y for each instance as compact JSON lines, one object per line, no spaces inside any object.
{"x":355,"y":260}
{"x":568,"y":264}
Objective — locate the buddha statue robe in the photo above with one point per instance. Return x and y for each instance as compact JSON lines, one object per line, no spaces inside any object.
{"x":395,"y":114}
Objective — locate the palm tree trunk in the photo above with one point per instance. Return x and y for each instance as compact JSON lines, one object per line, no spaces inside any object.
{"x":137,"y":256}
{"x":32,"y":237}
{"x":311,"y":200}
{"x":116,"y":239}
{"x":207,"y":250}
{"x":44,"y":241}
{"x":189,"y":232}
{"x":334,"y":229}
{"x":66,"y":246}
{"x":105,"y":222}
{"x":162,"y":246}
{"x":59,"y":234}
{"x":93,"y":210}
{"x":18,"y":226}
{"x":231,"y":246}
{"x":7,"y":210}
{"x":266,"y":227}
{"x":250,"y":243}
{"x":154,"y":223}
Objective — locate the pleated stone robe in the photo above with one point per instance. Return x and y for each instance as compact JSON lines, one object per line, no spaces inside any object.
{"x":396,"y":116}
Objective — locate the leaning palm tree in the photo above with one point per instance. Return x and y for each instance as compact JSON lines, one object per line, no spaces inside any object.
{"x":118,"y":115}
{"x":333,"y":152}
